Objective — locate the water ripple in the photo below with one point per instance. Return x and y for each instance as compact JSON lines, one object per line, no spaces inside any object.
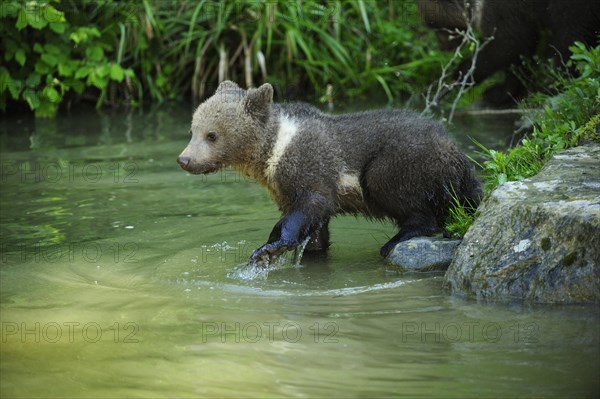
{"x":333,"y":292}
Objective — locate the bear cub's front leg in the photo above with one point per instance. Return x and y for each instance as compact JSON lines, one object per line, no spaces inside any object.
{"x":287,"y":234}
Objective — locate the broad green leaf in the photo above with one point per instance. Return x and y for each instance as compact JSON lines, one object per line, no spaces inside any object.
{"x":52,"y":49}
{"x":15,"y":86}
{"x":41,"y":67}
{"x":33,"y":80}
{"x":4,"y":79}
{"x":35,"y":19}
{"x":49,"y":59}
{"x":97,"y":81}
{"x":103,"y":70}
{"x":20,"y":57}
{"x":38,"y":48}
{"x":82,"y":34}
{"x":32,"y":98}
{"x":52,"y":15}
{"x":94,"y":53}
{"x":83,"y":72}
{"x":21,"y":20}
{"x":76,"y":37}
{"x":9,"y":10}
{"x":161,"y":80}
{"x":51,"y":94}
{"x":65,"y":69}
{"x":58,"y":27}
{"x":116,"y":72}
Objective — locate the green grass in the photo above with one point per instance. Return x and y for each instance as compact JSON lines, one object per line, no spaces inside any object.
{"x":460,"y":217}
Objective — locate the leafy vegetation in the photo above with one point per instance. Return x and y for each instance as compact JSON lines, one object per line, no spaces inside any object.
{"x":124,"y":52}
{"x":569,"y":112}
{"x":47,"y":57}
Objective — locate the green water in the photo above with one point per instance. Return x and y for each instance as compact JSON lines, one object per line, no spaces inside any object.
{"x":122,"y":276}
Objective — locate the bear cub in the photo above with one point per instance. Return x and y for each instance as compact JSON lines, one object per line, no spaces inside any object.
{"x":385,"y":164}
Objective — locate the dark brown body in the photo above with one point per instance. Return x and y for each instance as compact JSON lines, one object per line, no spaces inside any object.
{"x":388,"y":164}
{"x":518,"y":27}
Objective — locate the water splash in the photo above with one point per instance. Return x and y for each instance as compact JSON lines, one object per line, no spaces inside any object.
{"x":299,"y":251}
{"x":249,"y":271}
{"x":246,"y":272}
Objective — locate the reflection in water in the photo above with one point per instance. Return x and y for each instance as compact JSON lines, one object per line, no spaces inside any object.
{"x":123,"y":276}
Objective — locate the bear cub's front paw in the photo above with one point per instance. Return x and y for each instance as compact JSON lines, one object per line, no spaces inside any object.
{"x":264,"y":255}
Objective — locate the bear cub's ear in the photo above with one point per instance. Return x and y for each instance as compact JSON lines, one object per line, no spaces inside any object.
{"x":258,"y":102}
{"x":227,"y":84}
{"x":230,"y":92}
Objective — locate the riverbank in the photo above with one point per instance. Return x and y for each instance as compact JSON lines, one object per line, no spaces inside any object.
{"x":538,"y":239}
{"x":535,"y":235}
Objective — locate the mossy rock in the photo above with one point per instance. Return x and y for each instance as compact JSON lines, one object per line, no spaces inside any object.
{"x":537,"y":240}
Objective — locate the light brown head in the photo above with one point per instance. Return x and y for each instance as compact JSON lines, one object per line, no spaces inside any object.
{"x":225,"y":128}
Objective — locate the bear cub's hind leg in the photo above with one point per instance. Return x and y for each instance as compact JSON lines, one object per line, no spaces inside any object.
{"x":319,"y":240}
{"x":416,"y":226}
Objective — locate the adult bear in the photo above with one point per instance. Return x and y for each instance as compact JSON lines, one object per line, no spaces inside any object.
{"x":516,"y":26}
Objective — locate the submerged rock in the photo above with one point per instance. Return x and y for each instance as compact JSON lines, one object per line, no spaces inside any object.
{"x":423,"y":254}
{"x":537,"y":239}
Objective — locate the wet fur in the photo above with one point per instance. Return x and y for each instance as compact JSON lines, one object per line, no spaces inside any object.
{"x":386,"y":164}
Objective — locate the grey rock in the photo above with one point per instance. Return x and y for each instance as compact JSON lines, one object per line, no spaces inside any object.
{"x":423,"y":254}
{"x":537,"y":240}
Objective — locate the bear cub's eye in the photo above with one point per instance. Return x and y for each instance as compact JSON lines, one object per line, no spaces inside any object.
{"x":211,"y":136}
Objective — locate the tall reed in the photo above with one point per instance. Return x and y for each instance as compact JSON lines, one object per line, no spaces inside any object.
{"x":180,"y":48}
